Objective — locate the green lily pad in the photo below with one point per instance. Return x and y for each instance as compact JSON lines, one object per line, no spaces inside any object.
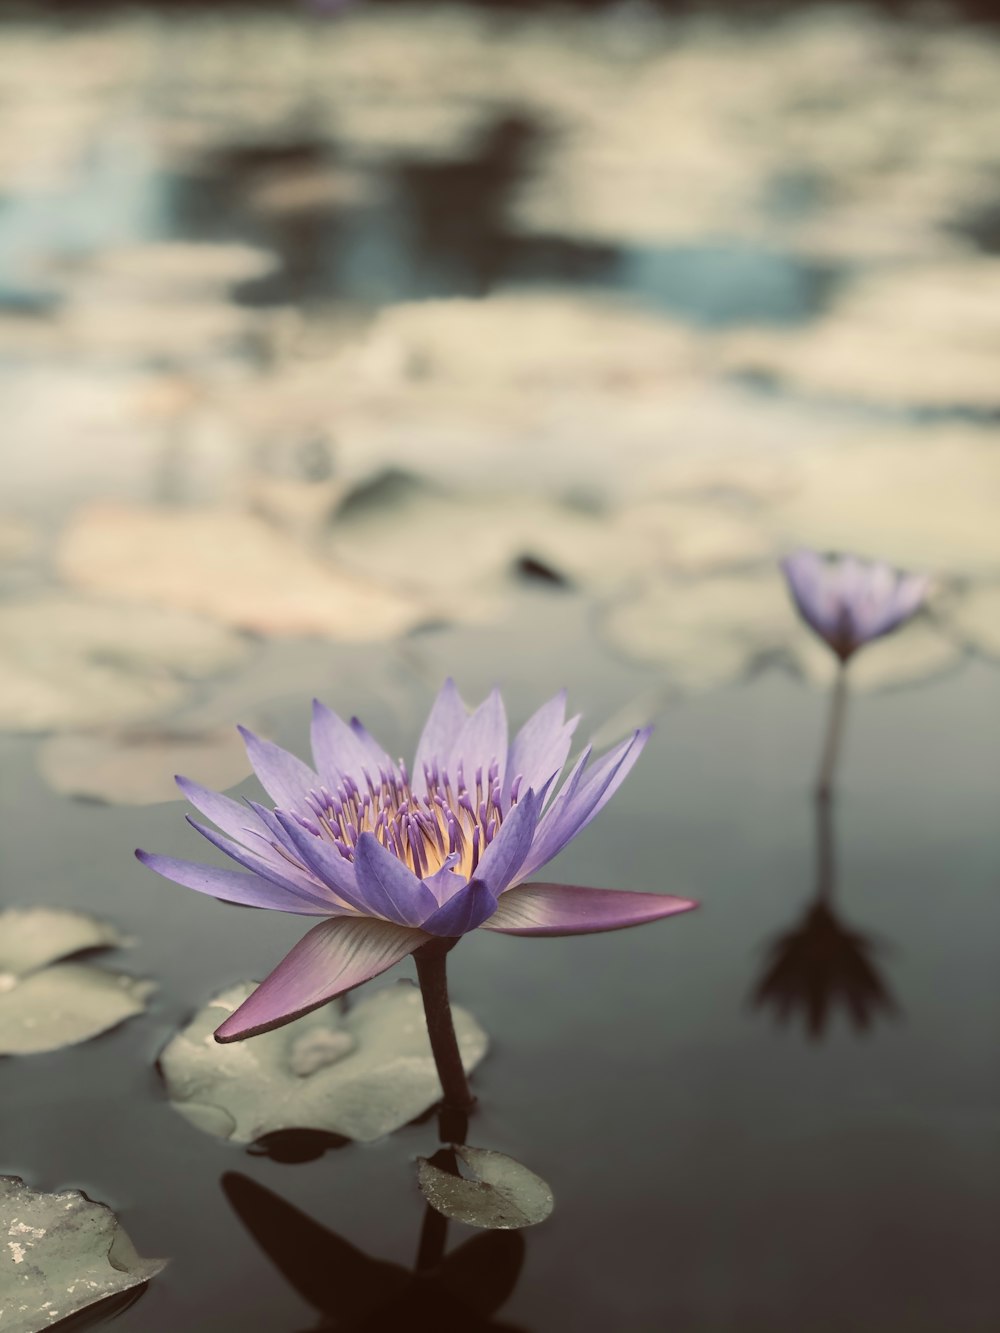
{"x":61,"y":1253}
{"x":498,"y":1192}
{"x":359,"y":1073}
{"x":46,"y":1004}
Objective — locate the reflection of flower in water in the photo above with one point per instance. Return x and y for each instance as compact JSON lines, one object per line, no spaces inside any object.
{"x":454,"y":1293}
{"x":849,"y":602}
{"x":392,"y":863}
{"x":819,"y":963}
{"x":822,"y":962}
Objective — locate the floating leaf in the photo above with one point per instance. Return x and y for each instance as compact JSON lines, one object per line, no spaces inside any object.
{"x":46,"y":1004}
{"x":229,"y":566}
{"x":977,"y":619}
{"x":136,"y":767}
{"x":68,"y":662}
{"x":921,"y":499}
{"x":498,"y":1193}
{"x":360,"y":1074}
{"x":61,"y":1253}
{"x":705,"y":632}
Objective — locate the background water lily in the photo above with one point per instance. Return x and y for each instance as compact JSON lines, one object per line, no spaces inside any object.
{"x":849,"y":601}
{"x":394,"y":863}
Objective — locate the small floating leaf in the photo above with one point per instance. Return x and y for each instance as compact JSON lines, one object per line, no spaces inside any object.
{"x":499,"y":1192}
{"x":136,"y":766}
{"x":60,"y":1253}
{"x":46,"y":1004}
{"x":359,"y":1074}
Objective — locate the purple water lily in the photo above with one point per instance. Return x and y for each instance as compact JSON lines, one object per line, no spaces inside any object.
{"x":848,"y":601}
{"x":395,"y":864}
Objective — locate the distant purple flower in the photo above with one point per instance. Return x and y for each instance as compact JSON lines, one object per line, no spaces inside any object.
{"x":391,"y":862}
{"x":848,"y":601}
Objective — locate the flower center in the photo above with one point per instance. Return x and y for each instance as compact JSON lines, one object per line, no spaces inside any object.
{"x":453,"y":822}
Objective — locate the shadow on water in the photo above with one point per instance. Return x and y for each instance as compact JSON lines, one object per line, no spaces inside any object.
{"x":821,"y":963}
{"x":459,"y":1292}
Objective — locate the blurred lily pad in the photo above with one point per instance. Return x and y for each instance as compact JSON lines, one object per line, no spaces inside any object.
{"x":704,"y":632}
{"x":46,"y":1004}
{"x":70,"y":662}
{"x":361,"y":1073}
{"x":976,"y":617}
{"x":136,"y":767}
{"x":921,"y":499}
{"x":62,"y":1253}
{"x":230,"y":566}
{"x":498,"y":1192}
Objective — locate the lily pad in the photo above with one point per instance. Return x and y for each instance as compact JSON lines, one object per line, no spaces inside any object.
{"x":704,"y":633}
{"x":136,"y":767}
{"x":498,"y":1192}
{"x":46,"y":1004}
{"x":61,"y":1253}
{"x":229,"y":566}
{"x":70,"y":662}
{"x":361,"y":1073}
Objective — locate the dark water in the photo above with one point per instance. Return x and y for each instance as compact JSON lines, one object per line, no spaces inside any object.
{"x":712,"y":1170}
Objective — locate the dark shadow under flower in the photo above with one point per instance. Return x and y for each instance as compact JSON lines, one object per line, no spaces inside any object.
{"x":455,"y":1293}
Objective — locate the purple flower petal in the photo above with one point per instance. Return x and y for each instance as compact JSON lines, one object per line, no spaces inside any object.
{"x":294,"y":881}
{"x":848,"y":601}
{"x":503,"y":858}
{"x":473,"y":904}
{"x":582,"y":798}
{"x":323,"y":860}
{"x":481,"y":742}
{"x":568,"y":909}
{"x":334,"y":957}
{"x":337,"y":751}
{"x":232,"y":886}
{"x":445,"y":882}
{"x":444,"y":722}
{"x":389,"y":888}
{"x":377,"y":757}
{"x":540,"y":749}
{"x":230,"y":816}
{"x":285,"y":778}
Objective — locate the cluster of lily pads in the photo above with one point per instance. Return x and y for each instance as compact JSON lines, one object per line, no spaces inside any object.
{"x":390,"y":861}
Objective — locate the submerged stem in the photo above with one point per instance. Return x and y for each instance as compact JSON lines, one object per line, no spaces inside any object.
{"x":834,"y":734}
{"x":433,"y":978}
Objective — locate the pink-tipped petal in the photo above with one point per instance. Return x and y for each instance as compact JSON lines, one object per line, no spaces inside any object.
{"x":232,"y":886}
{"x":567,"y":909}
{"x":334,"y":957}
{"x":286,"y":780}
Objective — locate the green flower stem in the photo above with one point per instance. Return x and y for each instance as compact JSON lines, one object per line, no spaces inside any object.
{"x":433,"y":978}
